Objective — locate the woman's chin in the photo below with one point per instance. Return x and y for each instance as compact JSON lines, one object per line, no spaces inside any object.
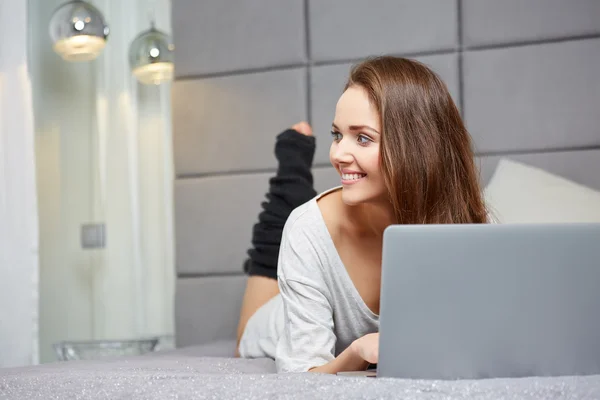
{"x":352,"y":197}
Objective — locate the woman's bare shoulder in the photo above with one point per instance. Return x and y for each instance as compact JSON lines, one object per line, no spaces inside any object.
{"x":332,"y":209}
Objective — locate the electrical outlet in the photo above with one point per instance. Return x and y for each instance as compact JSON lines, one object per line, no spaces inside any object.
{"x":93,"y":236}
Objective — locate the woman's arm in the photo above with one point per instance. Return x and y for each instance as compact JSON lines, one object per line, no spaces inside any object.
{"x":356,"y":357}
{"x":348,"y":360}
{"x":308,"y":341}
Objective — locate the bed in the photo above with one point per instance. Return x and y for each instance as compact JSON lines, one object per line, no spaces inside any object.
{"x":196,"y":372}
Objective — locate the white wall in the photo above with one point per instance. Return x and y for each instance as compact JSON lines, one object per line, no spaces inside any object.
{"x":103,"y":155}
{"x":18,"y":214}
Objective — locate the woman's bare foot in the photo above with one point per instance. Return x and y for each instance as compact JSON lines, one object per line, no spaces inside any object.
{"x":303,"y":127}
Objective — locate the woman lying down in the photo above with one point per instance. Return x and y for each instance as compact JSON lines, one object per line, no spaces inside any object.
{"x":404,"y":157}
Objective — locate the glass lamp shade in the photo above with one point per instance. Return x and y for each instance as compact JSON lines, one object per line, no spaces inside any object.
{"x":151,"y":57}
{"x":78,"y":31}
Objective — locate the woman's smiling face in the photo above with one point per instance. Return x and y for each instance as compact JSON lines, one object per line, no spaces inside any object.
{"x":354,"y":153}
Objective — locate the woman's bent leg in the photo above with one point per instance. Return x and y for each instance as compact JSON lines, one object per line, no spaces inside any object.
{"x":259,"y":290}
{"x":263,"y":330}
{"x":289,"y":188}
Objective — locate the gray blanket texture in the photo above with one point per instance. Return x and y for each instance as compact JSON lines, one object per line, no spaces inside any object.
{"x":195,"y":373}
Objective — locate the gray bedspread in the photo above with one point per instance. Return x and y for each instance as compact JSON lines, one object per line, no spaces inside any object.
{"x":193,"y":373}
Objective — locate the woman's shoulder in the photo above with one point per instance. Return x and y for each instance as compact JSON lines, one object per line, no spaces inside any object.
{"x":302,"y":245}
{"x":306,"y":238}
{"x":308,"y":216}
{"x":302,"y":217}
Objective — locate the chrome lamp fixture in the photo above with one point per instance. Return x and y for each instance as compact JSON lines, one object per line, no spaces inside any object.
{"x":151,"y":57}
{"x":78,"y":31}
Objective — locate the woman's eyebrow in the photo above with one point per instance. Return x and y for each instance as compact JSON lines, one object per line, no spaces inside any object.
{"x":356,"y":128}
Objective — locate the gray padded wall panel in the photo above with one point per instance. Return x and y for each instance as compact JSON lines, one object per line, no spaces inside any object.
{"x":327,"y":83}
{"x":213,"y":221}
{"x":534,"y":97}
{"x":214,"y":217}
{"x":351,"y":29}
{"x":207,"y":309}
{"x":229,"y":35}
{"x":228,"y":123}
{"x":581,"y":166}
{"x":488,"y":22}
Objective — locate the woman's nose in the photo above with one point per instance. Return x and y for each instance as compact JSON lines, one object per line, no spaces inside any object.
{"x":340,"y":153}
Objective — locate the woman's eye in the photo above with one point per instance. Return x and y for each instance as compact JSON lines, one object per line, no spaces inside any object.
{"x":336,"y":135}
{"x":363,"y":140}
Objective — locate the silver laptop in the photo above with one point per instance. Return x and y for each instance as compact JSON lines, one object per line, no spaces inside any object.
{"x":483,"y":301}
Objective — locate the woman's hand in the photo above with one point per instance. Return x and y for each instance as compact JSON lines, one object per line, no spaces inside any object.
{"x":367,"y":347}
{"x":303,"y":127}
{"x":356,"y":357}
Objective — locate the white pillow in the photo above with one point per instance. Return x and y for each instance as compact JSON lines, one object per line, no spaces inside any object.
{"x":519,"y":193}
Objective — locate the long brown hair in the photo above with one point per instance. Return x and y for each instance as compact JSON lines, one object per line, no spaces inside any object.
{"x":426,"y":153}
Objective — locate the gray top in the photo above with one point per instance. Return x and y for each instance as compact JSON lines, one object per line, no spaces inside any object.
{"x":323,"y":311}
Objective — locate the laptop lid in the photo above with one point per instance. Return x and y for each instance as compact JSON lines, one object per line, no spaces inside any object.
{"x":483,"y":301}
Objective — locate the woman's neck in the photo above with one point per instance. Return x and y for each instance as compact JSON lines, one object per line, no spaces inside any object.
{"x":371,"y":218}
